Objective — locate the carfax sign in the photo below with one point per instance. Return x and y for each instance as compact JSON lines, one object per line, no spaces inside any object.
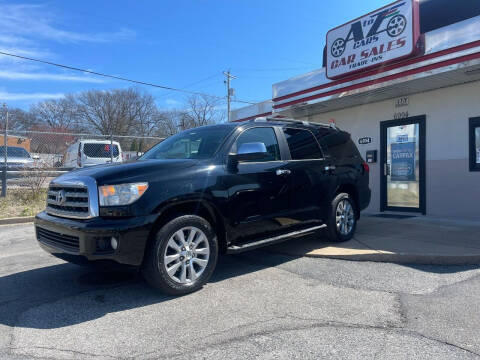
{"x":403,"y":162}
{"x":388,"y":34}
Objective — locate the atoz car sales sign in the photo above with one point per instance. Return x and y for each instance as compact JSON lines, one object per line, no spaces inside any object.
{"x":388,"y":34}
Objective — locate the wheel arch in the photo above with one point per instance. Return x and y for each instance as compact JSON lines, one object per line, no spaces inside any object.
{"x":194,"y":206}
{"x":351,"y":190}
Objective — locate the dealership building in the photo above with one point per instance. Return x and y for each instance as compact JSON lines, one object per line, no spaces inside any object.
{"x":405,"y":82}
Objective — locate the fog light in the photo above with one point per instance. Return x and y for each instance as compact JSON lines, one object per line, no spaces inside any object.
{"x":114,"y":243}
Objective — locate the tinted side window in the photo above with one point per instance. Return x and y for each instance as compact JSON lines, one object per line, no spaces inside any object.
{"x":339,"y":145}
{"x":264,"y":135}
{"x":302,"y":144}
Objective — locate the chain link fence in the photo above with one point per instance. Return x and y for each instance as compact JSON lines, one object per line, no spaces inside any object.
{"x":29,"y":160}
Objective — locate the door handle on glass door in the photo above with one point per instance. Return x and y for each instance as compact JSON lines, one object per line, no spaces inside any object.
{"x":386,"y":169}
{"x":283,"y":172}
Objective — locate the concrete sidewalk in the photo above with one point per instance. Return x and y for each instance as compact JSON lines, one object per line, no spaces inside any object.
{"x":417,"y":240}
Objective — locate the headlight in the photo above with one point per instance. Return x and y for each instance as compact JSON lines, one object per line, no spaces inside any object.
{"x":123,"y":194}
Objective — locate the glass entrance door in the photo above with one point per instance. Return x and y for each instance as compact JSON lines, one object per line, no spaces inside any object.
{"x":403,"y":161}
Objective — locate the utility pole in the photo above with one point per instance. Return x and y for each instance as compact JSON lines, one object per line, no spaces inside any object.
{"x":5,"y":147}
{"x":230,"y":91}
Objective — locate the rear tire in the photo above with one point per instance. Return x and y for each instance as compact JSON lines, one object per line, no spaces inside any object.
{"x":342,"y":218}
{"x":182,"y":257}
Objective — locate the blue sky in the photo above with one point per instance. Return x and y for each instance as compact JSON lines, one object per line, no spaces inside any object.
{"x":182,"y":43}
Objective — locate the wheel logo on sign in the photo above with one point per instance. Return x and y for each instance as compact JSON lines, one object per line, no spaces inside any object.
{"x":338,"y":47}
{"x":396,"y":25}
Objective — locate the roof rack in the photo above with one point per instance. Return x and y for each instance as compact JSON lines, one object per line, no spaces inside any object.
{"x":291,"y":120}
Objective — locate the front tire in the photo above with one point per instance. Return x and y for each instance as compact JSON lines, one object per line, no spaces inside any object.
{"x":342,"y":220}
{"x":182,"y":257}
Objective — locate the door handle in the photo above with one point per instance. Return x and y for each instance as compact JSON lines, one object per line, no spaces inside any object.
{"x":281,"y":172}
{"x":330,"y":167}
{"x":386,"y":169}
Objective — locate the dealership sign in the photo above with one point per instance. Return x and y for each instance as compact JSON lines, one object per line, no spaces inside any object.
{"x":388,"y":34}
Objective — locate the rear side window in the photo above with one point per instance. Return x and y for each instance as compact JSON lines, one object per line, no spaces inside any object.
{"x":99,"y":150}
{"x":339,"y":145}
{"x":302,"y":144}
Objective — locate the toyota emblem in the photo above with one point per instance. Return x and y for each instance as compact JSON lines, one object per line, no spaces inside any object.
{"x":61,"y":197}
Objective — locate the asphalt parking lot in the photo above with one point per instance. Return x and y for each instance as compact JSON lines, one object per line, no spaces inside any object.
{"x":258,"y":305}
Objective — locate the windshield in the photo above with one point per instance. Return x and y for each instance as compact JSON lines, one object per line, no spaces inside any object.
{"x":13,"y":151}
{"x":100,"y":150}
{"x":200,"y":143}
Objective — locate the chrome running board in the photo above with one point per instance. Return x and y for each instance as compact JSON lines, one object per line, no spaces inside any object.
{"x":235,"y":249}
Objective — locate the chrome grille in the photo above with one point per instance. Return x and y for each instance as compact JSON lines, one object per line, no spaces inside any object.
{"x":68,"y":201}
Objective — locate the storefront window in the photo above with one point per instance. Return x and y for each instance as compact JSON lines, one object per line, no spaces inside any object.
{"x":475,"y":144}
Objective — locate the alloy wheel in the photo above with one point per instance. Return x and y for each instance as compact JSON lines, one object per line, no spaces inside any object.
{"x":345,"y":217}
{"x":186,"y":255}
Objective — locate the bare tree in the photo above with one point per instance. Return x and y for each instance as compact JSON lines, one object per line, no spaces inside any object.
{"x":18,"y":119}
{"x":203,"y":110}
{"x":120,"y":111}
{"x":57,"y":114}
{"x":166,"y":123}
{"x":117,"y":112}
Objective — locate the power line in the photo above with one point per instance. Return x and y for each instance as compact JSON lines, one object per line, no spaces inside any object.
{"x":190,"y":85}
{"x":273,"y":69}
{"x":119,"y":77}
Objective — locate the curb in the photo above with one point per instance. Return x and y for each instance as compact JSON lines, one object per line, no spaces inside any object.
{"x":17,"y":220}
{"x":400,"y":258}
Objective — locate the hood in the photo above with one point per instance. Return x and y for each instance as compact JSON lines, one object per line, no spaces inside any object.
{"x":135,"y":171}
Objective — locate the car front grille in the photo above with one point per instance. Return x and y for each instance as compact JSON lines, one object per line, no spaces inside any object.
{"x":68,"y":201}
{"x":66,"y":242}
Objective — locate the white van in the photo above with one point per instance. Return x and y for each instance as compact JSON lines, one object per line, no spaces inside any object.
{"x":92,"y":152}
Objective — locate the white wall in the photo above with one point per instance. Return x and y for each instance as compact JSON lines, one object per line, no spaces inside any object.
{"x":452,"y":191}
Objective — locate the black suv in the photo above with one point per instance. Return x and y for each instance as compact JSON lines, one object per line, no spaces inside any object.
{"x":209,"y":190}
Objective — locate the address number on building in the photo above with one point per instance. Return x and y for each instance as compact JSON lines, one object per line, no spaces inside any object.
{"x":400,"y":115}
{"x":365,"y":140}
{"x":403,"y":101}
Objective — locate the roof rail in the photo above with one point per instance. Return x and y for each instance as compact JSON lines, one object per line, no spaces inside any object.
{"x":269,"y":118}
{"x":291,"y":120}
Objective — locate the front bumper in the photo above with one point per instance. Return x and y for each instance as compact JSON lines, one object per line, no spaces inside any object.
{"x":82,"y":241}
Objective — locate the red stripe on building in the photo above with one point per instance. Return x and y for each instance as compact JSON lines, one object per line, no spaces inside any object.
{"x":384,"y":79}
{"x":382,"y":70}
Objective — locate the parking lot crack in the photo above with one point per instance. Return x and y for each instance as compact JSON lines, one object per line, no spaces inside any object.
{"x":460,"y":282}
{"x":314,"y":325}
{"x":411,"y":332}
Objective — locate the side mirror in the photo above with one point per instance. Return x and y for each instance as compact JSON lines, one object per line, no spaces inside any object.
{"x":248,"y":152}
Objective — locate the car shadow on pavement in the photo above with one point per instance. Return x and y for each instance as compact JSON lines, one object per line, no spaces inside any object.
{"x":63,"y":295}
